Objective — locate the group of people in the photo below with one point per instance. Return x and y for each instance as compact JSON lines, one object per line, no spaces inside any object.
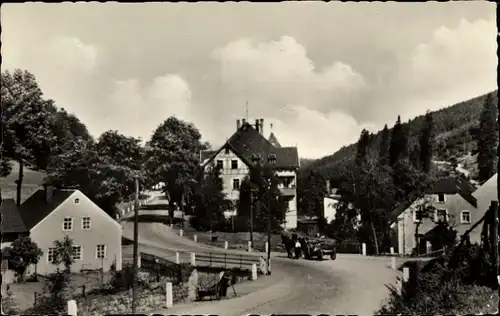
{"x":296,"y":246}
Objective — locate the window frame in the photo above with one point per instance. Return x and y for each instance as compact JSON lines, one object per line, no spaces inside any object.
{"x":236,"y":180}
{"x":51,"y":252}
{"x":436,"y":215}
{"x":104,"y":251}
{"x":444,"y":198}
{"x":234,"y":164}
{"x":462,"y":217}
{"x":83,"y":223}
{"x":73,"y":252}
{"x":72,"y":220}
{"x":221,"y":163}
{"x":76,"y":201}
{"x":226,"y":151}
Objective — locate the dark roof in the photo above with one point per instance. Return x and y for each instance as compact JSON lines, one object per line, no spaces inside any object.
{"x":273,"y":140}
{"x":12,"y":221}
{"x":36,"y":208}
{"x":448,"y":185}
{"x":206,"y":154}
{"x":247,"y":141}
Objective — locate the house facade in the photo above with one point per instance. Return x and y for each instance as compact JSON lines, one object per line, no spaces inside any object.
{"x":235,"y":158}
{"x":486,"y":193}
{"x":453,"y":202}
{"x":50,"y":215}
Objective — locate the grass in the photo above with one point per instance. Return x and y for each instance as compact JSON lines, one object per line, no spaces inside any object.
{"x":24,"y":293}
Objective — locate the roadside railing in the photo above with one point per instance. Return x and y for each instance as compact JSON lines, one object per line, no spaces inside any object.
{"x":226,"y":261}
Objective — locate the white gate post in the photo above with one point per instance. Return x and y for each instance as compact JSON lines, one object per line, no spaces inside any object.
{"x":170,"y":298}
{"x":138,"y":259}
{"x":392,"y":250}
{"x":249,"y":246}
{"x":226,"y":245}
{"x":72,"y":308}
{"x":393,"y":263}
{"x":195,"y":238}
{"x":267,"y":247}
{"x":254,"y":272}
{"x":177,"y":257}
{"x":193,"y":259}
{"x":181,"y":232}
{"x":364,"y":249}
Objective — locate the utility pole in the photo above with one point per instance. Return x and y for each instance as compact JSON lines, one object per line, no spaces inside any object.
{"x":270,"y":159}
{"x":136,"y":241}
{"x":251,"y":216}
{"x":495,"y":210}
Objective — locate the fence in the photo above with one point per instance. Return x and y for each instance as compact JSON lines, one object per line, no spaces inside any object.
{"x":225,"y":261}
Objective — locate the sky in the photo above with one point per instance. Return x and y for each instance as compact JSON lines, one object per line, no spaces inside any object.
{"x":316,"y":72}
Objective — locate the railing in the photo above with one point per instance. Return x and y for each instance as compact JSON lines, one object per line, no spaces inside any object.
{"x":226,"y":261}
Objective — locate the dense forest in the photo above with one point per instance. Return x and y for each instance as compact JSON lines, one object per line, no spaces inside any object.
{"x":454,"y":128}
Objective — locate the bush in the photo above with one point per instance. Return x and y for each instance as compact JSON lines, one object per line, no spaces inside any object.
{"x":122,"y":280}
{"x":55,"y":299}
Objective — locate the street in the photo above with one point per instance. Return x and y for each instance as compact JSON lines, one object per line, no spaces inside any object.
{"x":351,"y":284}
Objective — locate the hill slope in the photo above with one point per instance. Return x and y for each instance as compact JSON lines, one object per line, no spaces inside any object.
{"x":453,"y":138}
{"x":31,"y":182}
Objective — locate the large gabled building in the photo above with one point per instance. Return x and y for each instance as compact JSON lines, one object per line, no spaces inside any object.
{"x":235,"y":160}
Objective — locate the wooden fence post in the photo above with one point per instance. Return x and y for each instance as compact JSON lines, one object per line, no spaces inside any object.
{"x":170,"y":297}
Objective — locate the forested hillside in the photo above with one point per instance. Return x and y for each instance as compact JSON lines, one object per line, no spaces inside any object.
{"x":453,"y":129}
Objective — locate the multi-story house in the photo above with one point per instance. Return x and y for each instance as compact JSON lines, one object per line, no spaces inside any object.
{"x":49,"y":215}
{"x":452,"y":201}
{"x":235,"y":158}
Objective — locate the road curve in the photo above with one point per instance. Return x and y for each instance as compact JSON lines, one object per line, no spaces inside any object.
{"x":349,"y":285}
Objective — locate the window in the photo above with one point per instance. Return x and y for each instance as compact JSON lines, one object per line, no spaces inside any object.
{"x":234,"y":164}
{"x":226,"y":151}
{"x":100,"y":252}
{"x":86,"y":223}
{"x":441,"y":215}
{"x":441,"y":198}
{"x":220,"y":164}
{"x":236,"y":184}
{"x":465,"y":217}
{"x":76,"y":201}
{"x":51,"y":255}
{"x":415,"y":216}
{"x":68,"y":224}
{"x":77,"y":253}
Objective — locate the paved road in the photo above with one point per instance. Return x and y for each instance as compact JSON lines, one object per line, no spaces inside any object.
{"x":349,"y":285}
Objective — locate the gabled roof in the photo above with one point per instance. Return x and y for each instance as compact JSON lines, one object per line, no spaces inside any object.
{"x":36,"y":208}
{"x":273,"y":140}
{"x":247,"y":141}
{"x":12,"y":221}
{"x":448,"y":185}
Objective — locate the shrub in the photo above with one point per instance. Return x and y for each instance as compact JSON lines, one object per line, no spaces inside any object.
{"x":123,"y":279}
{"x":55,"y":299}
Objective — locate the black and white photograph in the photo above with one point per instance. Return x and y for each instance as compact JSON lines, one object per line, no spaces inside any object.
{"x":246,"y":158}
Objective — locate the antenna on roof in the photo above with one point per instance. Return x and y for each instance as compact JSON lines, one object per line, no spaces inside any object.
{"x":271,"y":126}
{"x":246,"y":110}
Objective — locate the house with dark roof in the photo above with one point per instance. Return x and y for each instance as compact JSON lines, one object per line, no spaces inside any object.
{"x":49,"y":215}
{"x":238,"y":154}
{"x":453,"y":201}
{"x":487,"y":193}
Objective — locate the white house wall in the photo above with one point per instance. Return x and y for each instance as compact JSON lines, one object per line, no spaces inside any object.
{"x":228,"y":174}
{"x":329,"y":208}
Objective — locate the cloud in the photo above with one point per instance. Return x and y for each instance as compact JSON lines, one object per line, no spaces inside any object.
{"x":71,"y":54}
{"x":284,"y":85}
{"x":146,"y":106}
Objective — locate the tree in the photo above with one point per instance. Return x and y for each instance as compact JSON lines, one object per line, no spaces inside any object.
{"x":27,"y":136}
{"x":424,"y":210}
{"x":363,"y":146}
{"x":345,"y":225}
{"x":311,"y":190}
{"x":63,"y":253}
{"x":398,"y":144}
{"x":487,"y":139}
{"x":24,"y":252}
{"x":266,"y":196}
{"x":210,"y":200}
{"x":383,"y":154}
{"x":426,"y":143}
{"x":172,"y":158}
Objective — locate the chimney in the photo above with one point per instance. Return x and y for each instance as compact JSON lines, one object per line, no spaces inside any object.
{"x":328,"y":190}
{"x":238,"y":124}
{"x":257,"y":125}
{"x":243,"y":121}
{"x":261,"y":124}
{"x":49,"y":192}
